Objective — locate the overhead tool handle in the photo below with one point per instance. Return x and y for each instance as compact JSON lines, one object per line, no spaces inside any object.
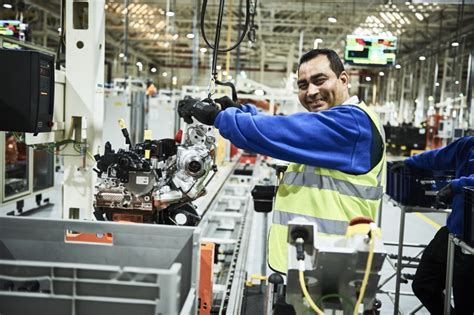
{"x":232,"y":86}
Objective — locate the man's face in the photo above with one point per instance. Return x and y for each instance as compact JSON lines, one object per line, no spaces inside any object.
{"x":318,"y":86}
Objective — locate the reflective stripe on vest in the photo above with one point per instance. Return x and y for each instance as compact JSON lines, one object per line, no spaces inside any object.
{"x":326,"y":182}
{"x":324,"y":225}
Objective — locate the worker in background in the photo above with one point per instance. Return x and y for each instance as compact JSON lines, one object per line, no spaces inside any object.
{"x":430,"y":277}
{"x":336,"y":149}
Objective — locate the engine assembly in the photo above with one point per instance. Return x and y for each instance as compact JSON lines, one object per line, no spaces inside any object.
{"x":155,"y":181}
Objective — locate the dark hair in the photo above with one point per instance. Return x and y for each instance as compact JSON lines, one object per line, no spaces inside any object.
{"x":334,"y":60}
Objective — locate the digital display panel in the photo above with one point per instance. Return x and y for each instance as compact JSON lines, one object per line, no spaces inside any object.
{"x":10,"y":28}
{"x":370,"y":50}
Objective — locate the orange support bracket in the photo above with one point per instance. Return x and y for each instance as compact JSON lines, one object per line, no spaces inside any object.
{"x":205,"y":278}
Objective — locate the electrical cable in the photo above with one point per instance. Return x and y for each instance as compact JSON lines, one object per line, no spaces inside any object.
{"x":368,"y":267}
{"x":242,"y":35}
{"x":215,"y":48}
{"x":305,"y":291}
{"x":300,"y":257}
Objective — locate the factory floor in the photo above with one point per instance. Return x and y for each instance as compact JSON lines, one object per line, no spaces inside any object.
{"x":419,"y":228}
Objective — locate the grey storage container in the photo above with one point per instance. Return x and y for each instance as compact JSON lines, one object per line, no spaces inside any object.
{"x":147,"y":269}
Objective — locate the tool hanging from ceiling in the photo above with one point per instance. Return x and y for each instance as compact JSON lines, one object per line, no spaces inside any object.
{"x":247,"y":27}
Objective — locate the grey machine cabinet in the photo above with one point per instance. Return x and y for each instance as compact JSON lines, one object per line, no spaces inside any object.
{"x":147,"y":269}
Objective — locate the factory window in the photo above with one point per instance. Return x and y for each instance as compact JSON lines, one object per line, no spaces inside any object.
{"x":80,"y":15}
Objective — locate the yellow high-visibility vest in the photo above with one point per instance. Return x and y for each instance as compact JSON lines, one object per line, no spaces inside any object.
{"x":327,"y":197}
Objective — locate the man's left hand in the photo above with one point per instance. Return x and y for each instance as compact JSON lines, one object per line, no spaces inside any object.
{"x":204,"y":112}
{"x":444,"y":196}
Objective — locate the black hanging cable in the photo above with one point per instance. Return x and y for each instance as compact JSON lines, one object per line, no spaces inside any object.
{"x":203,"y":15}
{"x":216,"y":37}
{"x":215,"y":47}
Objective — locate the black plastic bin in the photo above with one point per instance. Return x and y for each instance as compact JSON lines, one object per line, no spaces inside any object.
{"x":263,"y":197}
{"x":468,"y":233}
{"x":416,"y":187}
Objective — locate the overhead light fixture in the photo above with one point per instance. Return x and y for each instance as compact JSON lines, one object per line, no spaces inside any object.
{"x":139,"y":64}
{"x":153,"y":69}
{"x":7,"y":6}
{"x":219,"y":67}
{"x":317,"y":41}
{"x":368,"y":79}
{"x":224,"y":73}
{"x":203,"y":49}
{"x":170,"y":13}
{"x":422,"y":58}
{"x":174,"y":80}
{"x":397,"y":66}
{"x":190,"y":35}
{"x":165,"y":74}
{"x":259,"y":92}
{"x":437,"y":84}
{"x":456,"y":82}
{"x":332,"y":19}
{"x":455,"y":44}
{"x":121,"y":55}
{"x":381,"y":73}
{"x":419,"y":16}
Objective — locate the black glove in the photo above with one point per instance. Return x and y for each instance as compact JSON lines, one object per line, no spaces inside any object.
{"x":226,"y":102}
{"x":397,"y":166}
{"x":203,"y":111}
{"x":444,"y":196}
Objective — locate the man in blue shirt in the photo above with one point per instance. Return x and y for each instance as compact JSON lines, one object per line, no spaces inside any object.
{"x":334,"y":133}
{"x":429,"y":281}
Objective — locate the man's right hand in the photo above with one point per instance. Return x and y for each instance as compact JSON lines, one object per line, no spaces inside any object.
{"x":226,"y":102}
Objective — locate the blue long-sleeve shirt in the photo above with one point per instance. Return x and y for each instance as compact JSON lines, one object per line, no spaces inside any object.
{"x":339,"y":138}
{"x":458,"y":156}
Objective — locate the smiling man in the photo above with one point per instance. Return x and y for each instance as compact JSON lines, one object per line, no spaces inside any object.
{"x":336,"y":149}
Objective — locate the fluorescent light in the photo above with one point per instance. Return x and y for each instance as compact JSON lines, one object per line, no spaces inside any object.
{"x":170,"y":13}
{"x":381,"y":73}
{"x":398,"y":66}
{"x":422,"y":58}
{"x":203,"y":49}
{"x":455,"y":44}
{"x":332,"y":19}
{"x":153,"y":69}
{"x":7,"y":6}
{"x":419,"y":16}
{"x":259,"y":92}
{"x":190,"y":35}
{"x":316,"y":42}
{"x":174,"y":80}
{"x":368,"y":79}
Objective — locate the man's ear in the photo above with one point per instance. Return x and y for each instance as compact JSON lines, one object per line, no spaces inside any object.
{"x":344,"y":77}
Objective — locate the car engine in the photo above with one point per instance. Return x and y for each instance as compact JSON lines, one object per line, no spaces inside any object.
{"x":155,"y":181}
